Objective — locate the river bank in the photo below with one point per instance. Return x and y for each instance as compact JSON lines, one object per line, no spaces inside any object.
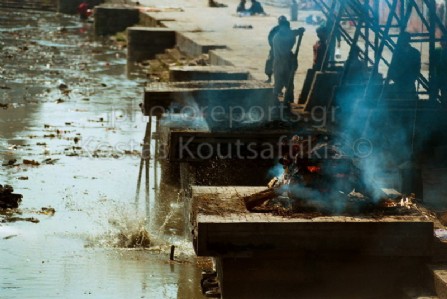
{"x":69,"y":106}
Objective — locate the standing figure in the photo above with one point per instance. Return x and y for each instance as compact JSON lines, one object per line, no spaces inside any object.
{"x":293,"y":11}
{"x":441,"y":70}
{"x":320,"y":47}
{"x":256,"y":8}
{"x":284,"y":63}
{"x":405,"y":67}
{"x":356,"y":69}
{"x":268,"y":70}
{"x":241,"y":7}
{"x":83,"y":11}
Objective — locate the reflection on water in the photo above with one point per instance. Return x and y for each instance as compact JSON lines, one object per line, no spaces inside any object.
{"x":68,"y":100}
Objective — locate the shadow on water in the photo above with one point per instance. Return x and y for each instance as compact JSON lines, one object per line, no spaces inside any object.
{"x":68,"y":107}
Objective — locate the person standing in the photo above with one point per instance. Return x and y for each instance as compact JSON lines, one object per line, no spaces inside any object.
{"x":441,"y":70}
{"x":256,"y":8}
{"x":83,"y":11}
{"x":319,"y":48}
{"x":241,"y":7}
{"x":405,"y":67}
{"x":293,"y":11}
{"x":284,"y":63}
{"x":268,"y":70}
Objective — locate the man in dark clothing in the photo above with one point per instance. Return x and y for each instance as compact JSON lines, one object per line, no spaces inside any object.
{"x":256,"y":8}
{"x":356,"y":70}
{"x":405,"y":67}
{"x":284,"y":63}
{"x":441,"y":70}
{"x":319,"y":49}
{"x":241,"y":7}
{"x":268,"y":70}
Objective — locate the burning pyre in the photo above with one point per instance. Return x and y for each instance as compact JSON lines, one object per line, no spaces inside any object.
{"x":318,"y":176}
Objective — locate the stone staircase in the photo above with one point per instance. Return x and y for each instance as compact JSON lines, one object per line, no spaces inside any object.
{"x":46,"y":5}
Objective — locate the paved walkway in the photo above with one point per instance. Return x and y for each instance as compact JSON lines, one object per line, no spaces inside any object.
{"x":246,"y":48}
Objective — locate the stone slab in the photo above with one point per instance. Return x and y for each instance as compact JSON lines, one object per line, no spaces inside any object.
{"x":145,"y":42}
{"x":111,"y":19}
{"x":263,"y":234}
{"x":201,"y":73}
{"x":225,"y":95}
{"x":196,"y":43}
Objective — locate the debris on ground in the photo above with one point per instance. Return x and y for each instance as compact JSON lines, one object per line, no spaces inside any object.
{"x":11,"y":162}
{"x":47,"y":211}
{"x":8,"y":199}
{"x":31,"y":162}
{"x":49,"y":161}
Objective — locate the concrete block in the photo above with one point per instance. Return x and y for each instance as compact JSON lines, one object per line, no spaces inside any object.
{"x":112,"y":19}
{"x":145,"y":42}
{"x":266,"y":235}
{"x":202,"y":73}
{"x":440,"y":280}
{"x":316,"y":277}
{"x":217,"y":57}
{"x":150,"y":20}
{"x":194,"y":43}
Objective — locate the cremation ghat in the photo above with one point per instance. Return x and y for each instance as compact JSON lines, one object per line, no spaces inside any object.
{"x":302,"y":249}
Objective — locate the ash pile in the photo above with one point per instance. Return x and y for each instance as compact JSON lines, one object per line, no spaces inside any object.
{"x":319,"y":175}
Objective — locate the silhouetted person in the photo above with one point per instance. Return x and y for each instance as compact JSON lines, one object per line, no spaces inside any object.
{"x":441,"y":70}
{"x":293,"y":11}
{"x":284,"y":63}
{"x":241,"y":7}
{"x":320,"y":47}
{"x":405,"y":67}
{"x":356,"y":70}
{"x":256,"y":8}
{"x":268,"y":70}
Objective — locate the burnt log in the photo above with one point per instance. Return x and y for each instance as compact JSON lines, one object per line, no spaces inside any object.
{"x":255,"y":200}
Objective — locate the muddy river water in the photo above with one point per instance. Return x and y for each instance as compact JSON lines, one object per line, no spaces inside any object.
{"x":69,"y":108}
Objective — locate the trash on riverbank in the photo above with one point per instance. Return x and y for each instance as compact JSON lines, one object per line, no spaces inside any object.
{"x":8,"y":199}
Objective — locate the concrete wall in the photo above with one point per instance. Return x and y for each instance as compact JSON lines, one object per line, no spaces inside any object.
{"x":318,"y":277}
{"x":195,"y":43}
{"x":113,"y":19}
{"x":202,"y":73}
{"x":145,"y":42}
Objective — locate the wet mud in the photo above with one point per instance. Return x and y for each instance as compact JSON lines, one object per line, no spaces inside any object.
{"x":70,"y":143}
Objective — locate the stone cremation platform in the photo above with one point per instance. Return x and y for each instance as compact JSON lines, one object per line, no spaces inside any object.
{"x":231,"y":230}
{"x":241,"y":93}
{"x":261,"y":255}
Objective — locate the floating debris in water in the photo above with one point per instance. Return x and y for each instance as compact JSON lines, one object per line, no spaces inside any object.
{"x":9,"y":237}
{"x":47,"y":211}
{"x":31,"y":162}
{"x":11,"y":162}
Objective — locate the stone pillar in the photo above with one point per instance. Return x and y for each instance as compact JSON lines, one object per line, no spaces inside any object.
{"x":145,"y":42}
{"x":112,"y":19}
